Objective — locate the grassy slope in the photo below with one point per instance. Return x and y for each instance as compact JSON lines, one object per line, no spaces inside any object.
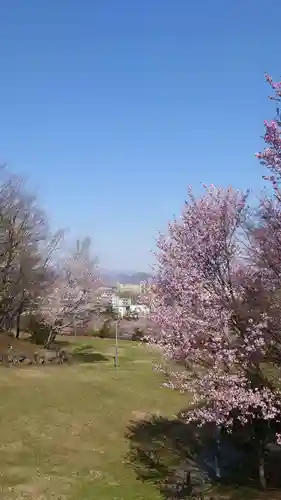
{"x":62,"y":428}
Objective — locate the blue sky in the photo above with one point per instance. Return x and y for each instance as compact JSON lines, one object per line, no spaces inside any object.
{"x":112,"y":107}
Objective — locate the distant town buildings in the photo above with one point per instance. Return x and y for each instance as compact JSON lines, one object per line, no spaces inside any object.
{"x":123,"y":306}
{"x":143,"y":286}
{"x":117,"y":301}
{"x":128,"y":287}
{"x":106,"y":295}
{"x":140,"y":309}
{"x":133,"y":311}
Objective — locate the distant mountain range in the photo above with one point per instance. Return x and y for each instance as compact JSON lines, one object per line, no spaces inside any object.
{"x":127,"y":278}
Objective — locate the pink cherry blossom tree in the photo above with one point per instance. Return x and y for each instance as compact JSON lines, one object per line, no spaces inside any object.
{"x":270,"y":157}
{"x":197,"y":300}
{"x":268,"y":237}
{"x":266,"y":241}
{"x":200,"y":301}
{"x":215,"y":301}
{"x":72,"y":296}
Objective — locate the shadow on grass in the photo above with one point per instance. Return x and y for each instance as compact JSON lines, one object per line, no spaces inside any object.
{"x":59,"y":344}
{"x":181,"y":459}
{"x":88,"y":357}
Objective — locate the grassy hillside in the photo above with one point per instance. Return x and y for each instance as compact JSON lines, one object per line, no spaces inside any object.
{"x":88,"y":430}
{"x":62,"y":427}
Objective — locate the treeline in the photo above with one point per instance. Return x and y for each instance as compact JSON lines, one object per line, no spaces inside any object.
{"x":37,"y":275}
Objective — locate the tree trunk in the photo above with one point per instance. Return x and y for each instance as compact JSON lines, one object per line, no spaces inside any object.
{"x":261,"y":470}
{"x":261,"y":462}
{"x":217,"y":453}
{"x":18,"y":318}
{"x":10,"y":325}
{"x":260,"y":434}
{"x":18,"y":323}
{"x":50,"y":339}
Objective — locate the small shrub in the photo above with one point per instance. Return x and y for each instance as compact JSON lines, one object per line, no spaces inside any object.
{"x":38,"y":330}
{"x":138,"y":335}
{"x":93,"y":333}
{"x":106,"y":331}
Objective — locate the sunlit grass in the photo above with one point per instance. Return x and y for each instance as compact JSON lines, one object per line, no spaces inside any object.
{"x":62,"y":427}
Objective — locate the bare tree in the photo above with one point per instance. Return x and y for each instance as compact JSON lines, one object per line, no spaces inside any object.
{"x":26,"y":247}
{"x":72,"y":296}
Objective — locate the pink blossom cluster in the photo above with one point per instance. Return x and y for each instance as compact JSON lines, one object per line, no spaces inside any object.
{"x":271,"y":155}
{"x":195,"y":301}
{"x":73,"y":294}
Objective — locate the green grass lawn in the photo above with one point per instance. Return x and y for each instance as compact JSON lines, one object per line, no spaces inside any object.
{"x":62,"y":427}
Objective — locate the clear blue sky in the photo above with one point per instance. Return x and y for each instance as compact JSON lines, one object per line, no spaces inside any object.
{"x":112,"y":107}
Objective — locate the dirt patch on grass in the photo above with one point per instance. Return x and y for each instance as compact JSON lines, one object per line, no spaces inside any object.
{"x":31,"y":373}
{"x":38,"y":487}
{"x":139,"y":415}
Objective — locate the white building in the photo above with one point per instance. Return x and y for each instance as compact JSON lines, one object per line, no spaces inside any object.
{"x":140,"y":309}
{"x":131,"y":288}
{"x":117,"y":301}
{"x":105,"y":296}
{"x":121,"y":311}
